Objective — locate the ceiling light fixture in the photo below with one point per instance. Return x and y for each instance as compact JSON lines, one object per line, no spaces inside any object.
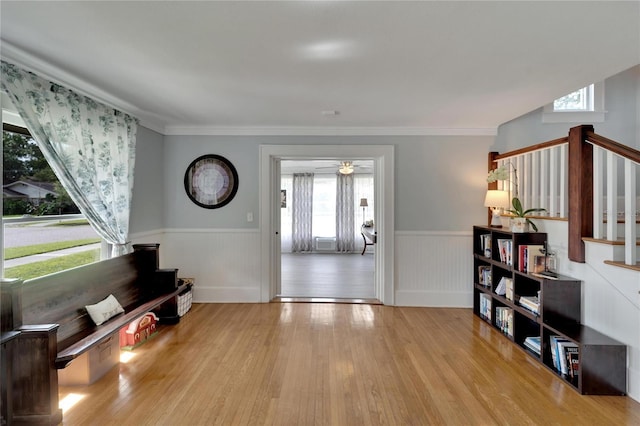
{"x":346,"y":167}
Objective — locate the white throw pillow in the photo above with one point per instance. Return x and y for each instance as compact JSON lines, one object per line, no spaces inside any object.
{"x":102,"y":311}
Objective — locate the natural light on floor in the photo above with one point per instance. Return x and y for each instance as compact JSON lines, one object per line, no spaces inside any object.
{"x":69,"y":401}
{"x":125,"y":357}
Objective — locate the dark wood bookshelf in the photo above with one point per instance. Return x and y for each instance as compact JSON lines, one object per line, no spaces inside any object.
{"x":602,"y":360}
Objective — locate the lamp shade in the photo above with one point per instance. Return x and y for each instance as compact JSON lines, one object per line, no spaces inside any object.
{"x":363,"y":202}
{"x":496,"y":199}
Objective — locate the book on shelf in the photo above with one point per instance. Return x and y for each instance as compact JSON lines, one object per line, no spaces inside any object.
{"x":533,"y":344}
{"x":564,"y":348}
{"x":501,"y":288}
{"x":557,"y":351}
{"x":526,"y":254}
{"x":485,"y":244}
{"x":522,"y":258}
{"x":533,"y":250}
{"x":509,"y":288}
{"x":504,"y":320}
{"x":504,"y":247}
{"x":485,"y":306}
{"x":531,"y":303}
{"x":573,"y":361}
{"x":484,"y":275}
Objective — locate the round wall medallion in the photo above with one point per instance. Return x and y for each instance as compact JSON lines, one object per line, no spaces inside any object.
{"x":211,"y":181}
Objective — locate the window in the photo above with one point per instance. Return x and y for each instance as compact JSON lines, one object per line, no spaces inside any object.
{"x":580,"y":100}
{"x":39,"y":218}
{"x":324,"y":207}
{"x":583,"y":105}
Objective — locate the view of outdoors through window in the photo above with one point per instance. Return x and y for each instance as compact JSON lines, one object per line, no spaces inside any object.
{"x":580,"y":100}
{"x":44,"y":231}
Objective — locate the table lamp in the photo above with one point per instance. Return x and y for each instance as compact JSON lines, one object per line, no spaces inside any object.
{"x":364,"y":204}
{"x":496,"y":200}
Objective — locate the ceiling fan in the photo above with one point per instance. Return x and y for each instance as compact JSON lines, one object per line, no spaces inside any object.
{"x":344,"y":167}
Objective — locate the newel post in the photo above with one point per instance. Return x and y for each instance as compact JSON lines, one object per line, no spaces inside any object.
{"x":580,"y":191}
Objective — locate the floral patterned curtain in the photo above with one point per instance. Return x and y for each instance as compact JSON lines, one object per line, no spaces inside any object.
{"x":89,"y":146}
{"x":345,"y":223}
{"x":302,"y":227}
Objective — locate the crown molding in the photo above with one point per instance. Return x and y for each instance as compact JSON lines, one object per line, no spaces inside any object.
{"x":178,"y":130}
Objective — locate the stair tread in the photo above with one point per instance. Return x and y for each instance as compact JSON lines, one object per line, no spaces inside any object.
{"x":621,"y":264}
{"x":618,"y":242}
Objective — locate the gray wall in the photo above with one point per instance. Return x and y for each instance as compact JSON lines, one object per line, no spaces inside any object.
{"x":147,"y":205}
{"x":621,"y":120}
{"x":439,"y":182}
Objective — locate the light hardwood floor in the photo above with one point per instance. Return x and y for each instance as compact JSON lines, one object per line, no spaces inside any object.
{"x":334,"y":364}
{"x":348,"y":276}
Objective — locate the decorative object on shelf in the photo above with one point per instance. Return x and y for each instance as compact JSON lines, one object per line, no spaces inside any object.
{"x":211,"y":181}
{"x":520,"y":222}
{"x":496,"y":200}
{"x":549,"y":270}
{"x":364,"y":204}
{"x":518,"y":225}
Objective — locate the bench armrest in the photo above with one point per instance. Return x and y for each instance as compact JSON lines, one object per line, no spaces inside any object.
{"x":110,"y":327}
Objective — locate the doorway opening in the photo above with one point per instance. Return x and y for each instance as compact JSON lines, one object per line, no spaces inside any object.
{"x":324,"y":205}
{"x":271,"y":159}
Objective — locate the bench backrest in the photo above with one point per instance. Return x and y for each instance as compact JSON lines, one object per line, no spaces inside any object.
{"x":60,"y":298}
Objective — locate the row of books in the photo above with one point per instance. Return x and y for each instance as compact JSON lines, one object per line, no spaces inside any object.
{"x":531,"y":258}
{"x":533,"y":344}
{"x":485,"y":306}
{"x":565,"y":356}
{"x":505,"y":250}
{"x":504,"y":320}
{"x":485,"y":244}
{"x":532,"y":303}
{"x":505,"y":287}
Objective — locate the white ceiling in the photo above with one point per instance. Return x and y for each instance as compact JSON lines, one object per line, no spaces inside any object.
{"x":273,"y":67}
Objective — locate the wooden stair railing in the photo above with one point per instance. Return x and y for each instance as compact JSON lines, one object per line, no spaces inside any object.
{"x":566,"y":177}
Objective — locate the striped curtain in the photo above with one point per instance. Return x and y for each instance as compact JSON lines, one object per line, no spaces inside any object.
{"x":302,"y":210}
{"x":345,"y":223}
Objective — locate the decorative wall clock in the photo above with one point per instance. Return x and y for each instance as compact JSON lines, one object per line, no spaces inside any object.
{"x":211,"y":181}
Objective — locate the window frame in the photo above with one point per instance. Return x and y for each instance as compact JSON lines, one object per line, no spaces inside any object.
{"x":595,"y":115}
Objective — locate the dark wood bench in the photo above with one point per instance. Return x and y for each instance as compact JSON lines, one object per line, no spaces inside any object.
{"x":53,"y":327}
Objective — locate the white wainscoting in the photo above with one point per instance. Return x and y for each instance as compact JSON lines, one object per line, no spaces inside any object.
{"x":225,"y":263}
{"x":434,"y":269}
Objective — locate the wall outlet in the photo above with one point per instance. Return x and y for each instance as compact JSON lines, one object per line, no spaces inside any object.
{"x":250,"y":217}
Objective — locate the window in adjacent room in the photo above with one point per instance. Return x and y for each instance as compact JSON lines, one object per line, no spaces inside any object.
{"x":585,"y":105}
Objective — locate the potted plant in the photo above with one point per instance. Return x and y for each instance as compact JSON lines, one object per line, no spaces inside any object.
{"x":520,"y":221}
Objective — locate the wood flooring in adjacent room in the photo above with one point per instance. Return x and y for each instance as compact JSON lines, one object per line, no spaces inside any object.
{"x":334,"y":364}
{"x":328,"y":275}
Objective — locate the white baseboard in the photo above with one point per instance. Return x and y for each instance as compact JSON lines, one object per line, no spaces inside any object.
{"x":226,"y":294}
{"x":434,"y":299}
